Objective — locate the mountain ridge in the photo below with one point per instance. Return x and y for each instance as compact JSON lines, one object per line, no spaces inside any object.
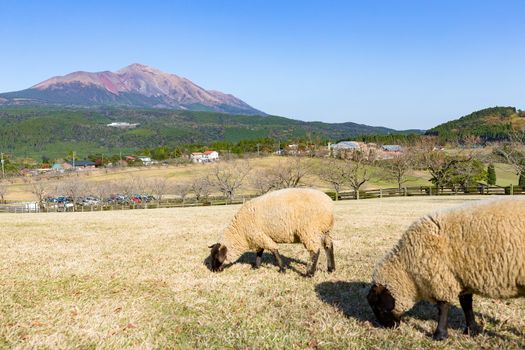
{"x":135,"y":85}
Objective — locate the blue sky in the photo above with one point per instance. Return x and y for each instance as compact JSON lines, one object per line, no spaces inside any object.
{"x":400,"y":64}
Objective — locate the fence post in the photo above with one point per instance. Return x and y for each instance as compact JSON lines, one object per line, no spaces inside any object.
{"x":380,"y":193}
{"x":511,"y":189}
{"x":405,"y":191}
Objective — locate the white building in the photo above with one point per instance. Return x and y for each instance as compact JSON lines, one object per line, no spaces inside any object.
{"x":145,"y":160}
{"x":346,"y":145}
{"x":123,"y":125}
{"x":204,"y":157}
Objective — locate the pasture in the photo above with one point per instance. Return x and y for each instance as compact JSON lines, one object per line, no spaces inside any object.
{"x":136,"y":279}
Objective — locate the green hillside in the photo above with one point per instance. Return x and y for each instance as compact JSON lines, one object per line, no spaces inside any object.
{"x":54,"y":131}
{"x":490,"y":124}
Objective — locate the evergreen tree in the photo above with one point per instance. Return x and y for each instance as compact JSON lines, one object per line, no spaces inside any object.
{"x":491,"y":174}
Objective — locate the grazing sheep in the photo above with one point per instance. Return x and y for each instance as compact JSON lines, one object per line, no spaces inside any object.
{"x":474,"y":249}
{"x":292,"y":215}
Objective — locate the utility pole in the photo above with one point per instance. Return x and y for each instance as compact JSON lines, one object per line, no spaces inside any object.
{"x":2,"y":161}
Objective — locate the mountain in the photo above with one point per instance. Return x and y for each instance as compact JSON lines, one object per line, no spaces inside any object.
{"x":55,"y":130}
{"x":136,"y":85}
{"x":490,"y":124}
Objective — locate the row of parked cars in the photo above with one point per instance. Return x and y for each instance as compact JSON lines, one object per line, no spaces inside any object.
{"x":64,"y":201}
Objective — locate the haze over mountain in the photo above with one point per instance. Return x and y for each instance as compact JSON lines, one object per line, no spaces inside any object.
{"x":136,"y":85}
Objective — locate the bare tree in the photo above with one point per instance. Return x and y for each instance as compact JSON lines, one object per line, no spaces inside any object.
{"x":40,"y":190}
{"x":158,"y":186}
{"x":397,"y":168}
{"x":357,"y":174}
{"x":182,"y":190}
{"x":264,"y":181}
{"x":201,"y":188}
{"x":440,"y":167}
{"x":291,"y":172}
{"x":335,"y":173}
{"x":131,"y":186}
{"x":102,"y":190}
{"x":74,"y":188}
{"x":229,"y":177}
{"x":3,"y":191}
{"x":514,"y":152}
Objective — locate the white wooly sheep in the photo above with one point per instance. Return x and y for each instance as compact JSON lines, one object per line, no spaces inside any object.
{"x":473,"y":249}
{"x":292,"y":215}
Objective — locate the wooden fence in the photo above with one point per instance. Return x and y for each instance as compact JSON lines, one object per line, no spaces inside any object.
{"x":14,"y":207}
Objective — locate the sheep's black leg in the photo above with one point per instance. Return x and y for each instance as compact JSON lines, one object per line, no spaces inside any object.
{"x":279,"y":260}
{"x":258,"y":259}
{"x":313,"y":265}
{"x":441,"y":330}
{"x":466,"y":304}
{"x":330,"y":259}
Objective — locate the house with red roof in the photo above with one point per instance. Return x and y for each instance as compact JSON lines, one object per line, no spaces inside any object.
{"x":204,"y":157}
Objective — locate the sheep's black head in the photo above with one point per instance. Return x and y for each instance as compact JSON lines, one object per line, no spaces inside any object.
{"x":217,"y":257}
{"x":383,"y":303}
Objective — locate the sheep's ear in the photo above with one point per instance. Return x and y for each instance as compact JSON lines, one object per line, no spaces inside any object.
{"x":223,"y":250}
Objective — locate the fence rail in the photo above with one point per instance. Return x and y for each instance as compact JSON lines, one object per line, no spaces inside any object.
{"x":32,"y":207}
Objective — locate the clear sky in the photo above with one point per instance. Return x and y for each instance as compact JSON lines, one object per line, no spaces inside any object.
{"x":400,"y":64}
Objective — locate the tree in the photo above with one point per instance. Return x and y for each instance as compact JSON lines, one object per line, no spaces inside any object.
{"x":521,"y":180}
{"x":201,"y":188}
{"x":491,"y":174}
{"x":102,"y":190}
{"x":182,"y":190}
{"x":397,"y":168}
{"x":335,"y":173}
{"x":228,"y":177}
{"x":440,"y":166}
{"x":465,"y":172}
{"x":264,"y":180}
{"x":131,"y":186}
{"x":74,"y":189}
{"x":3,"y":191}
{"x":513,"y":152}
{"x":290,"y":173}
{"x":40,"y":190}
{"x":158,"y":186}
{"x":357,"y":174}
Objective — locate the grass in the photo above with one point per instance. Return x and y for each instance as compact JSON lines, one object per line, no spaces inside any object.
{"x":136,"y":279}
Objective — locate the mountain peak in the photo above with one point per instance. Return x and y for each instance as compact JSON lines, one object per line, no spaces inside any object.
{"x":136,"y":85}
{"x":139,"y":67}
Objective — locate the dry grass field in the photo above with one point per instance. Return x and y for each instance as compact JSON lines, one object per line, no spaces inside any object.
{"x":184,"y":173}
{"x":135,"y":279}
{"x":19,"y":189}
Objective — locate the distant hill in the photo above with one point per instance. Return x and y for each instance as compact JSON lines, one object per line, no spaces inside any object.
{"x":53,"y":131}
{"x":490,"y":124}
{"x":136,"y":85}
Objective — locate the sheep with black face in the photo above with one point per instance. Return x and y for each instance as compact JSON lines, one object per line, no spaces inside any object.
{"x":473,"y":249}
{"x":292,"y":215}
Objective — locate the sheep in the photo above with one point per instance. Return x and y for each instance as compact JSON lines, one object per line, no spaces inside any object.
{"x":473,"y":249}
{"x":292,"y":215}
